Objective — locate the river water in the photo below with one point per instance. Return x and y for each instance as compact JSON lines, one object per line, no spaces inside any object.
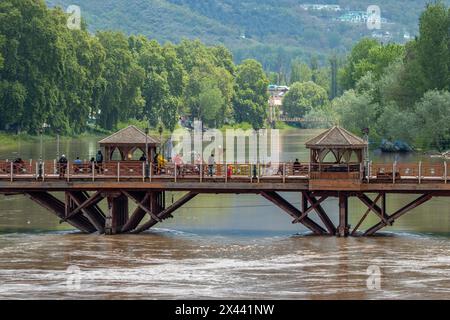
{"x":223,"y":247}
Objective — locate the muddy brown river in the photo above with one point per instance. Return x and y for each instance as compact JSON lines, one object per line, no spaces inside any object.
{"x":223,"y":247}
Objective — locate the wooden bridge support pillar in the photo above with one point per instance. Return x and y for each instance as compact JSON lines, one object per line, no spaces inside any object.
{"x":117,"y":214}
{"x":344,"y":228}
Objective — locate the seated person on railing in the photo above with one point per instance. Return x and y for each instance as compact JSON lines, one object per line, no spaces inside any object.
{"x":178,"y":161}
{"x":77,"y":165}
{"x":297,"y":166}
{"x":62,"y":163}
{"x":18,"y":165}
{"x":143,"y":158}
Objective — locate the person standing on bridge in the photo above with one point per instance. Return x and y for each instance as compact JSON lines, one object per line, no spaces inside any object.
{"x":99,"y":161}
{"x":62,"y":166}
{"x":297,"y":166}
{"x":211,"y":163}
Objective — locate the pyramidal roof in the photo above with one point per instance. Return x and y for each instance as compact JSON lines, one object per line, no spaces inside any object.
{"x":129,"y":135}
{"x":336,"y":137}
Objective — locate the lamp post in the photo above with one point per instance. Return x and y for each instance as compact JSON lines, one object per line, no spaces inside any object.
{"x":366,"y":156}
{"x":147,"y":169}
{"x":58,"y":131}
{"x":40,"y":153}
{"x":160,"y":130}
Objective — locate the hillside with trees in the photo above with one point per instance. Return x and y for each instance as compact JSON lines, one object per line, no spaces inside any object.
{"x":272,"y":32}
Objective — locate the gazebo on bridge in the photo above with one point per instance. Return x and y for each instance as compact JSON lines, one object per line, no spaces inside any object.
{"x":127,"y":141}
{"x":336,"y":154}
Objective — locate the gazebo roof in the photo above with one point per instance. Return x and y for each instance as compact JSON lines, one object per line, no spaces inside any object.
{"x":129,"y":136}
{"x":336,"y":137}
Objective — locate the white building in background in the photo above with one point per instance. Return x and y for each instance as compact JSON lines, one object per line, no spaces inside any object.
{"x":321,"y":7}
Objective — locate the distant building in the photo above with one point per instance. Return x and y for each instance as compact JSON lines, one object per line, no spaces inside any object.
{"x":357,"y":17}
{"x":321,"y":7}
{"x":277,"y":94}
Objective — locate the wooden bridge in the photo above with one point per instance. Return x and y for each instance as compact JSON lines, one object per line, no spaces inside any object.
{"x":83,"y":187}
{"x":73,"y":192}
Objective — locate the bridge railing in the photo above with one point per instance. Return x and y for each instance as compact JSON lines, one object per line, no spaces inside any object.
{"x":415,"y":172}
{"x":378,"y":172}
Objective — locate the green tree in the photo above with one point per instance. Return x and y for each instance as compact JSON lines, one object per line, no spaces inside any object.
{"x":251,"y":95}
{"x":300,"y":72}
{"x":368,"y":55}
{"x":433,"y":46}
{"x":356,"y":111}
{"x":304,"y":97}
{"x":122,"y":97}
{"x":432,"y":124}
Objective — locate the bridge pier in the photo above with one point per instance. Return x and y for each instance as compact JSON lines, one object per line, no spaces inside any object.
{"x":344,"y":228}
{"x":117,"y":214}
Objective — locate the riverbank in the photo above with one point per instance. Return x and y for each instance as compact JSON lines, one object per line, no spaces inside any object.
{"x":8,"y":140}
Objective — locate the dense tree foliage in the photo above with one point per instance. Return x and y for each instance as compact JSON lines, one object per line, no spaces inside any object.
{"x":303,"y":97}
{"x":273,"y":32}
{"x":68,"y":79}
{"x":402,"y":92}
{"x":251,"y":97}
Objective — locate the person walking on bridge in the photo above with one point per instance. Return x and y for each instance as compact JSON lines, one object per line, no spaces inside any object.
{"x":211,"y":163}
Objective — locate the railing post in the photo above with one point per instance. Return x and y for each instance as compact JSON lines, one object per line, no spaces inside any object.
{"x":369,"y":171}
{"x":93,"y":170}
{"x":143,"y":171}
{"x":361,"y":172}
{"x":43,"y":171}
{"x":11,"y":170}
{"x":36,"y":171}
{"x":54,"y":167}
{"x":118,"y":171}
{"x":309,"y":170}
{"x":201,"y":171}
{"x":175,"y":172}
{"x":151,"y":172}
{"x":259,"y":171}
{"x":226,"y":173}
{"x":68,"y":170}
{"x":284,"y":172}
{"x":394,"y":167}
{"x":420,"y":172}
{"x":445,"y":172}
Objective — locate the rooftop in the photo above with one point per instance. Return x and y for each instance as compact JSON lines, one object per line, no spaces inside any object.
{"x":129,"y":135}
{"x":336,"y":137}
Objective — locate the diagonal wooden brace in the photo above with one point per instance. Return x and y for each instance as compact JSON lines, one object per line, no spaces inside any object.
{"x":292,"y":211}
{"x":141,"y":205}
{"x":167,"y":212}
{"x":410,"y":206}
